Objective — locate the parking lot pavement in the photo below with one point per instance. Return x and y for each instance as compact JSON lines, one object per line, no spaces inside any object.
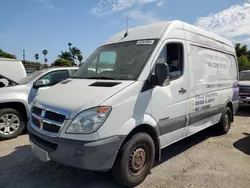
{"x":203,"y":160}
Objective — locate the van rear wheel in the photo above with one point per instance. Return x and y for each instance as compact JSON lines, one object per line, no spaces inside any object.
{"x":226,"y":120}
{"x":11,"y":123}
{"x":135,"y":160}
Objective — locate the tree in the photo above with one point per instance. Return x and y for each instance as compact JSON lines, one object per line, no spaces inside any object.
{"x":70,"y":56}
{"x":45,"y":52}
{"x":80,"y":58}
{"x":36,"y":57}
{"x":62,"y":62}
{"x":4,"y":54}
{"x":75,"y":52}
{"x":243,"y":55}
{"x":244,"y":63}
{"x":69,"y":44}
{"x":241,"y":50}
{"x":66,"y":55}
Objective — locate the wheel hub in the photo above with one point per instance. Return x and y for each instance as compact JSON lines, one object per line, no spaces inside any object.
{"x":9,"y":123}
{"x":137,"y":160}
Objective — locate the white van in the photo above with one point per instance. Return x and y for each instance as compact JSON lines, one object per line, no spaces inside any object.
{"x":159,"y":84}
{"x":12,"y":69}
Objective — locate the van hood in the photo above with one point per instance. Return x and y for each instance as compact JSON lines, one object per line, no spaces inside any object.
{"x":244,"y":83}
{"x":80,"y":94}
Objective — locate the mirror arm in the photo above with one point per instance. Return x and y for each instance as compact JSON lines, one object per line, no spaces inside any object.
{"x":153,"y":80}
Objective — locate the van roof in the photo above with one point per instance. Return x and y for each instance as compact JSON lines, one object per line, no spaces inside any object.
{"x":157,"y":30}
{"x":150,"y":31}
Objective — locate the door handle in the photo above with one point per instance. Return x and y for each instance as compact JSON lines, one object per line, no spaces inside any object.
{"x":182,"y":91}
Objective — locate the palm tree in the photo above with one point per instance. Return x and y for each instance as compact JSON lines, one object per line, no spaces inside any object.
{"x":69,"y":44}
{"x":65,"y":55}
{"x":45,"y":52}
{"x":36,"y":57}
{"x":75,"y":52}
{"x":80,"y":58}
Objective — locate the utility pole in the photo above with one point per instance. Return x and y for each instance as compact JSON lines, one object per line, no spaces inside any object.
{"x":23,"y":54}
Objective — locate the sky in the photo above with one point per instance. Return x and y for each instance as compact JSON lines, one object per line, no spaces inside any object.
{"x":35,"y":25}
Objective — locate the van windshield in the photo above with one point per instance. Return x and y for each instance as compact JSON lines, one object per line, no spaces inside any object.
{"x":120,"y":61}
{"x":32,"y":76}
{"x":245,"y":76}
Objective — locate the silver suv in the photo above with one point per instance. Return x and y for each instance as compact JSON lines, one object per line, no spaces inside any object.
{"x":16,"y":98}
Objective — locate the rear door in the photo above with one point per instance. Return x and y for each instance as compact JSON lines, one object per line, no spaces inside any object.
{"x":169,"y":103}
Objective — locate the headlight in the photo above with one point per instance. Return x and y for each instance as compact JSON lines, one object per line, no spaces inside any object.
{"x":89,"y":121}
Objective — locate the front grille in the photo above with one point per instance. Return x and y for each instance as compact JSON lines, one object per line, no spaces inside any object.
{"x":35,"y":121}
{"x":47,"y":121}
{"x":51,"y":127}
{"x":244,"y":91}
{"x":37,"y":111}
{"x":46,"y":126}
{"x":54,"y":116}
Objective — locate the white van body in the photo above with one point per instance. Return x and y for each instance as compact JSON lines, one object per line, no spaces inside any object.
{"x":12,"y":68}
{"x":203,"y":91}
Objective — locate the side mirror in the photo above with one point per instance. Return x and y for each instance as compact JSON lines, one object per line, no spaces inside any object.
{"x":41,"y":83}
{"x":162,"y":74}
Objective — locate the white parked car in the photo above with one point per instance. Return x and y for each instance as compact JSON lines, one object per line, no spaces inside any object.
{"x":169,"y":80}
{"x":16,"y":97}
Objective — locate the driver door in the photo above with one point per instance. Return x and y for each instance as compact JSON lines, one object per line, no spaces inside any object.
{"x":47,"y":81}
{"x":170,"y":103}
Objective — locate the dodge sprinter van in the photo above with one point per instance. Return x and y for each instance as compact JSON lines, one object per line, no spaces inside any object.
{"x":138,"y":93}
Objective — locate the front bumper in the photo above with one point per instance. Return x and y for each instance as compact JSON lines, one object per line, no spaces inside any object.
{"x":96,"y":155}
{"x":244,"y":101}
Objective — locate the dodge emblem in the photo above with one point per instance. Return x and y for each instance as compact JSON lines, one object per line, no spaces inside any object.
{"x":41,"y":123}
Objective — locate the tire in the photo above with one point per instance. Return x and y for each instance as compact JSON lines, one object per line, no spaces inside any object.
{"x":135,"y":160}
{"x":15,"y":128}
{"x":226,"y":120}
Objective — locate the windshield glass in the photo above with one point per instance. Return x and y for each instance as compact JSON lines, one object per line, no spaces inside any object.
{"x":27,"y":79}
{"x":121,"y":61}
{"x":245,"y":76}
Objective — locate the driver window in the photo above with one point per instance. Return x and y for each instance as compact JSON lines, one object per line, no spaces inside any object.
{"x":54,"y":77}
{"x":172,"y":54}
{"x":106,"y":62}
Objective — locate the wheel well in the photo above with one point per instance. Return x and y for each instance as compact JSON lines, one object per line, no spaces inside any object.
{"x":144,"y":128}
{"x":230,"y":105}
{"x":17,"y":106}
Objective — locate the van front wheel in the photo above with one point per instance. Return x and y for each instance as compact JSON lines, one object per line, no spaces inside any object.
{"x":135,"y":160}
